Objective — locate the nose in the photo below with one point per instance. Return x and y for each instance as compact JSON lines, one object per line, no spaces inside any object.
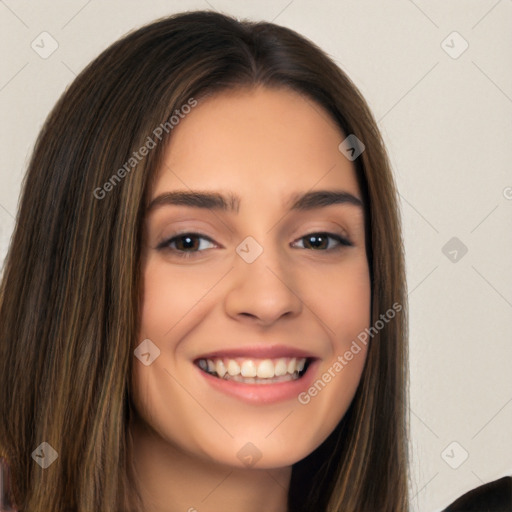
{"x":262,"y":292}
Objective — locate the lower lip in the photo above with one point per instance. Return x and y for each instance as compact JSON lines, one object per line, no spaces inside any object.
{"x":263,"y":393}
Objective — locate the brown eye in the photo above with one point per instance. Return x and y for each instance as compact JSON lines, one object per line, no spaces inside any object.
{"x":186,"y":243}
{"x":321,"y":241}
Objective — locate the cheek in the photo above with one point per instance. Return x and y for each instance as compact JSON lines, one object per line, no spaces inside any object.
{"x":170,"y":293}
{"x":171,"y":305}
{"x":341,"y":299}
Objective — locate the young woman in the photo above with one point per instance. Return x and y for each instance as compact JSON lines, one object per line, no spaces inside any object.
{"x":203,"y":303}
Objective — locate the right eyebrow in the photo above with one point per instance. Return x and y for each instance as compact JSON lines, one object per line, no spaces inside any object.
{"x":196,"y":199}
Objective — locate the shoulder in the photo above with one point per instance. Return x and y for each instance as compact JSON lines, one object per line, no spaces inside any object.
{"x":491,"y":497}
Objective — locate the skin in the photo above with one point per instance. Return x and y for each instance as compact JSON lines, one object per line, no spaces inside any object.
{"x":263,"y":145}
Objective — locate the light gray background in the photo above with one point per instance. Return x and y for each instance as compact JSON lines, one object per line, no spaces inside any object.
{"x":447,"y":123}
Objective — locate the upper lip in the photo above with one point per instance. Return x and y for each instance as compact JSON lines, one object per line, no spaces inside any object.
{"x":258,"y":352}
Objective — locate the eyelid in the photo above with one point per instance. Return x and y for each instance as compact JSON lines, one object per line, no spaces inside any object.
{"x":343,"y":240}
{"x":164,"y":244}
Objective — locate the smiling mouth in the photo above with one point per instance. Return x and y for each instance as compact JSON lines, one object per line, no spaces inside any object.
{"x":255,"y":371}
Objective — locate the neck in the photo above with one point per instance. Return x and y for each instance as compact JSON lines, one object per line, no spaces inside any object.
{"x":172,"y":480}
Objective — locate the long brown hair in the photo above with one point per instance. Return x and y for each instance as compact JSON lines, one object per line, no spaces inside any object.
{"x":69,"y":297}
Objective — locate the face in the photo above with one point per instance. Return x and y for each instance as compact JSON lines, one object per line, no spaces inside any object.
{"x":254,"y":268}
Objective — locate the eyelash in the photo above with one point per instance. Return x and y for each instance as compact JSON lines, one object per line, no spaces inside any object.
{"x":165,"y":245}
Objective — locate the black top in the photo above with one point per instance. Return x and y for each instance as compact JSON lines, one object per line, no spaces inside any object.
{"x":492,"y":497}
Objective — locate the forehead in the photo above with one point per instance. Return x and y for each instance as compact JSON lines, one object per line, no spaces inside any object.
{"x":260,"y":140}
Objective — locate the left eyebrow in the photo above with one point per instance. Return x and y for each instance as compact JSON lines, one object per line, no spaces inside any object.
{"x":231,"y":203}
{"x":323,"y":198}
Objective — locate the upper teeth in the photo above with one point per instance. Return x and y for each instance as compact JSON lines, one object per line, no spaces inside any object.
{"x":261,"y":368}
